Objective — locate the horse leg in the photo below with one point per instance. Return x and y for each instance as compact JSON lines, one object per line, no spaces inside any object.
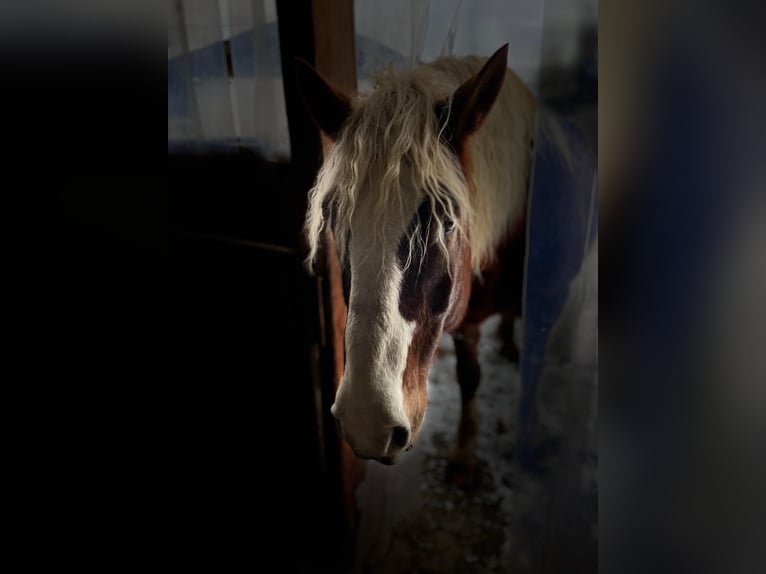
{"x":462,"y":459}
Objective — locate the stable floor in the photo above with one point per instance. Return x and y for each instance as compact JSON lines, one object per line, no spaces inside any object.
{"x":411,"y":519}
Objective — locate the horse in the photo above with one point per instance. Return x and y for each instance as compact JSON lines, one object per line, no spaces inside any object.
{"x":424,"y":190}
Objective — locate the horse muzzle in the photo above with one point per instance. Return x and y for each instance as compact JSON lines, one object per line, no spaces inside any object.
{"x":383,"y":444}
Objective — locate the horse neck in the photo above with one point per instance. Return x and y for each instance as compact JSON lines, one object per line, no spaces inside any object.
{"x":500,"y":162}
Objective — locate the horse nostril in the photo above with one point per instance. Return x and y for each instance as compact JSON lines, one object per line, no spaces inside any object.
{"x":400,"y":437}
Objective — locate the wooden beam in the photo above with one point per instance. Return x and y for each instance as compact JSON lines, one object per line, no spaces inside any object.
{"x":322,"y":33}
{"x":335,"y":59}
{"x":296,"y":39}
{"x":334,"y":42}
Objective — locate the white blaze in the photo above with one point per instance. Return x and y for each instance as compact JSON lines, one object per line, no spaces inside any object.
{"x":370,"y":401}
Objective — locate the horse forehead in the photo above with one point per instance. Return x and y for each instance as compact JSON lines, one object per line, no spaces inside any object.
{"x":374,"y":243}
{"x":384,"y":222}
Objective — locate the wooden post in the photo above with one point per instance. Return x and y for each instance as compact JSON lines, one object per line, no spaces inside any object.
{"x":335,"y":59}
{"x":322,"y":33}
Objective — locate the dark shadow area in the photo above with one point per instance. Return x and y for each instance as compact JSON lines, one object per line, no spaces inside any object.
{"x":168,"y":324}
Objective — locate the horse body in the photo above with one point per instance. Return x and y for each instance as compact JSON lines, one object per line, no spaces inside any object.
{"x":425,"y":191}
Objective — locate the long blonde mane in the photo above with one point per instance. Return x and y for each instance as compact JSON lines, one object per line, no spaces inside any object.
{"x":392,"y":140}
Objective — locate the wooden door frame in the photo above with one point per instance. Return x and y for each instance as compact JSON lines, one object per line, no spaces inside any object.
{"x":322,"y":33}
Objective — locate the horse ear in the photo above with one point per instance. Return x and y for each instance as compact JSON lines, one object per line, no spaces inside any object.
{"x":472,"y":101}
{"x":329,"y":107}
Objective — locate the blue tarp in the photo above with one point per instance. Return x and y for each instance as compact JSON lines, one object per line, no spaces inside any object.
{"x":562,"y":225}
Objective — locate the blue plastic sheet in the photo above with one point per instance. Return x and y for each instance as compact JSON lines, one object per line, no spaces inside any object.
{"x":562,"y":226}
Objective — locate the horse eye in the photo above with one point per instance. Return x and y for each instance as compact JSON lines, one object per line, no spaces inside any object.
{"x":449,"y":226}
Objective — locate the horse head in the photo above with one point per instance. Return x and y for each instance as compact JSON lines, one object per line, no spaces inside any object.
{"x":394,"y":192}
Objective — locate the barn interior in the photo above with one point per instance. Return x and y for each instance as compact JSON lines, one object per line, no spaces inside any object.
{"x":249,"y":355}
{"x":242,"y":153}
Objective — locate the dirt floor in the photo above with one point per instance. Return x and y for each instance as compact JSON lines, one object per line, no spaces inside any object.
{"x":411,"y":519}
